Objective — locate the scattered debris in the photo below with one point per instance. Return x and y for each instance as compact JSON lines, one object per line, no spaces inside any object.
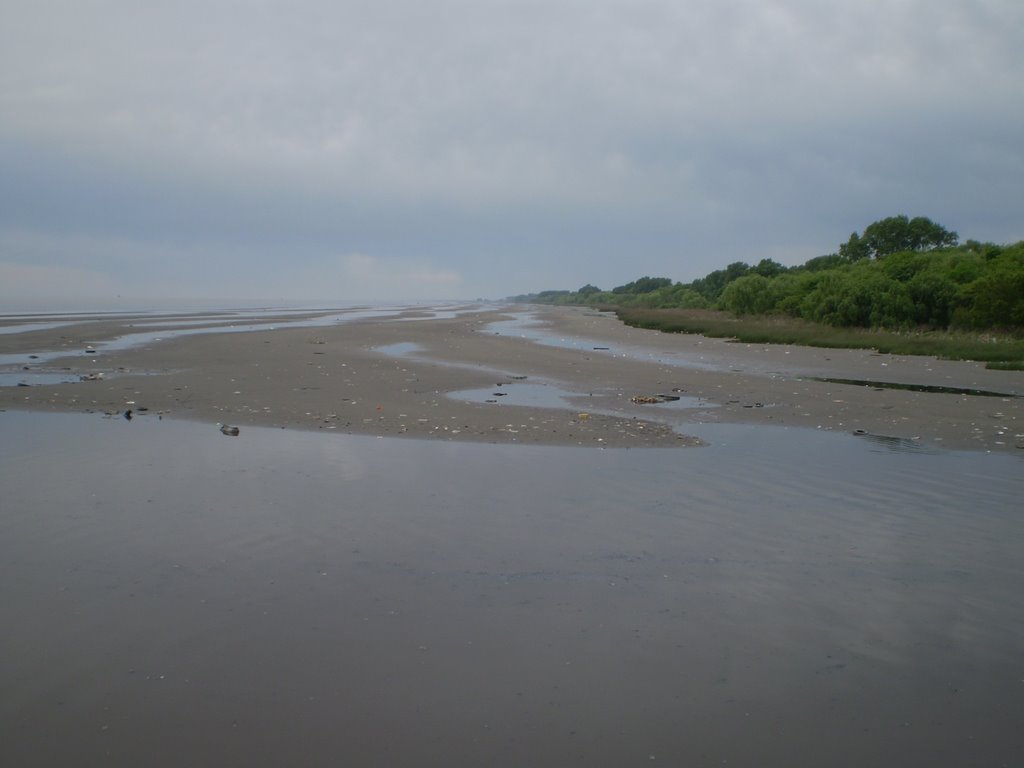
{"x":652,"y":399}
{"x":91,"y":376}
{"x":228,"y":430}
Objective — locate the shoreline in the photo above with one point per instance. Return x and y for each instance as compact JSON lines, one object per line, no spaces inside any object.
{"x":336,"y":378}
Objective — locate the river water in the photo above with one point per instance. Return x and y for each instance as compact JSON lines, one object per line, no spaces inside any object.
{"x":781,"y":597}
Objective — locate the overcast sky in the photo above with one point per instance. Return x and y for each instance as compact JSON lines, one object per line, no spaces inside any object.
{"x":426,"y":149}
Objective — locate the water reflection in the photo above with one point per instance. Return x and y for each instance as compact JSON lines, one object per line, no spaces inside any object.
{"x":893,"y":443}
{"x":525,"y":325}
{"x":20,"y":327}
{"x":35,"y":378}
{"x":373,"y":601}
{"x":546,"y":394}
{"x":401,"y":349}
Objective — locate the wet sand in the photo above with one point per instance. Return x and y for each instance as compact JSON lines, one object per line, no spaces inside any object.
{"x":343,"y":378}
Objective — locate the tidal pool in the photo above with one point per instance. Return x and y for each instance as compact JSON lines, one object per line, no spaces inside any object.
{"x":173,"y":596}
{"x":36,"y":378}
{"x":525,"y":325}
{"x":547,"y":394}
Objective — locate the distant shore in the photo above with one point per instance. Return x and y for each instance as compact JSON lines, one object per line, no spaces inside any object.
{"x":351,"y":378}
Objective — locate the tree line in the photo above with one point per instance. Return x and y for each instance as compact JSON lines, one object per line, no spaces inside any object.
{"x":898,"y":273}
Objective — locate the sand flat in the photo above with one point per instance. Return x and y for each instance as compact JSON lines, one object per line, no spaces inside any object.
{"x":347,"y":378}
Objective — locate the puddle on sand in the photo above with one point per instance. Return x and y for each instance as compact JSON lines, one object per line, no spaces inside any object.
{"x":401,"y":349}
{"x":894,"y":443}
{"x":538,"y":394}
{"x":33,"y":378}
{"x":526,"y":326}
{"x":548,"y":395}
{"x":412,"y":351}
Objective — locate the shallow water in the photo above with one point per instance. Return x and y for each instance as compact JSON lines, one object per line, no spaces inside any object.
{"x":35,"y":378}
{"x":525,"y":325}
{"x":20,"y":327}
{"x":401,"y":349}
{"x":783,"y":597}
{"x":546,"y":394}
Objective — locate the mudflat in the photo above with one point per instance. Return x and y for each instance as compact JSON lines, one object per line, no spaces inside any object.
{"x":559,"y":376}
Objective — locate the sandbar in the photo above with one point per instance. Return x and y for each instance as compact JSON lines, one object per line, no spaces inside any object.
{"x":400,"y":376}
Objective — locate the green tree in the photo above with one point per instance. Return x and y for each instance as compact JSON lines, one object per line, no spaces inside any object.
{"x":651,"y":284}
{"x":643,"y":285}
{"x":829,"y":261}
{"x":858,"y":297}
{"x":748,"y":295}
{"x":854,"y":249}
{"x":711,"y":285}
{"x":768,"y":268}
{"x":682,"y":296}
{"x":996,"y":299}
{"x":895,"y":234}
{"x":905,"y":265}
{"x":934,"y":296}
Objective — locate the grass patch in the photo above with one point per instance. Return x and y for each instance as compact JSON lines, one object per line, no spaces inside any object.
{"x":1004,"y":353}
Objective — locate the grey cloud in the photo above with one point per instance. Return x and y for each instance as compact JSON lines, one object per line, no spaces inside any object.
{"x":581,"y":140}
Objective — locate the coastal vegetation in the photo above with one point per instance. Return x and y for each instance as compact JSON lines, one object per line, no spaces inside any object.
{"x":903,"y":285}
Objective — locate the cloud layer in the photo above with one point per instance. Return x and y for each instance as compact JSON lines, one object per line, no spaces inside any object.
{"x":486,"y":148}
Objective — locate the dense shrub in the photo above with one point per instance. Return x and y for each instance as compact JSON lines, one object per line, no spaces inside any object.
{"x":901,"y":273}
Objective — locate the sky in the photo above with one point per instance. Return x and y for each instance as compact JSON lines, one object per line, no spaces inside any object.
{"x":403,"y":150}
